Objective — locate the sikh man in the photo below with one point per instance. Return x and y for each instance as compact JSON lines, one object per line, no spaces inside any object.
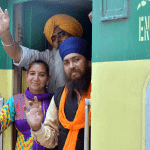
{"x":64,"y":123}
{"x":58,"y":28}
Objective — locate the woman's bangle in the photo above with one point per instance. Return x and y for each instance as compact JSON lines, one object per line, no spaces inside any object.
{"x":8,"y":45}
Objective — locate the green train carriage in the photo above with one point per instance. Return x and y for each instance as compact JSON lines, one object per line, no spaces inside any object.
{"x":120,"y":64}
{"x":120,"y":74}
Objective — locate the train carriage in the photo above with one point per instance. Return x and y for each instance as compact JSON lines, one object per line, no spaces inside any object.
{"x":120,"y":74}
{"x":120,"y":35}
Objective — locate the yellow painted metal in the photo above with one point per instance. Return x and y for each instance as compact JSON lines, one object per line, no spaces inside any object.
{"x":6,"y":91}
{"x":118,"y":104}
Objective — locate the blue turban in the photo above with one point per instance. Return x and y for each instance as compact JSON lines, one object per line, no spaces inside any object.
{"x":75,"y":45}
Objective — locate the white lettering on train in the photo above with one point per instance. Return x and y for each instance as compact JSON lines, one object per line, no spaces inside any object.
{"x":144,"y":28}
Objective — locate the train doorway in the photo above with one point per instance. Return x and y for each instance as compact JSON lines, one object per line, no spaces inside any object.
{"x":29,"y":20}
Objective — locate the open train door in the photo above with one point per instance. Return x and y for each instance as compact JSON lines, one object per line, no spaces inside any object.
{"x":36,"y":14}
{"x":120,"y":75}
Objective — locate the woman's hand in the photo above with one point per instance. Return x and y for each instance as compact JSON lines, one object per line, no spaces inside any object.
{"x":34,"y":116}
{"x":4,"y":21}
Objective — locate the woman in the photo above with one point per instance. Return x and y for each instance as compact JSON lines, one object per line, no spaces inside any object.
{"x":37,"y":79}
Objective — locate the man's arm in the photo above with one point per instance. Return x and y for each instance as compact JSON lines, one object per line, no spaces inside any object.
{"x":21,"y":55}
{"x":14,"y":50}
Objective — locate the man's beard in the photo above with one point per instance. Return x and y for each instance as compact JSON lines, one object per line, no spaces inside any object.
{"x":80,"y":84}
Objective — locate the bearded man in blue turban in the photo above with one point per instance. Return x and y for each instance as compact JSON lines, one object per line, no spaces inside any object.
{"x":64,"y":123}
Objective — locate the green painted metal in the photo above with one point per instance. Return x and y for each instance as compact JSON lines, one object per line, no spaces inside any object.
{"x":21,"y":1}
{"x":113,"y":9}
{"x":5,"y":60}
{"x":35,"y":15}
{"x":3,"y":4}
{"x":124,"y":38}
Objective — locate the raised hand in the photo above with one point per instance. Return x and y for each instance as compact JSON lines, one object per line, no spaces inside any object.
{"x":90,"y":16}
{"x":4,"y":21}
{"x":34,"y":116}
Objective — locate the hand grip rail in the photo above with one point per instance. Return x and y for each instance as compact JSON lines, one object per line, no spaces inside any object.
{"x":86,"y":129}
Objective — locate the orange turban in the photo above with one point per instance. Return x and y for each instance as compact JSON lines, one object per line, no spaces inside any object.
{"x":66,"y":23}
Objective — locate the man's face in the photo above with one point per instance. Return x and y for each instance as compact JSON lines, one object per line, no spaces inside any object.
{"x":59,"y":36}
{"x":75,"y":65}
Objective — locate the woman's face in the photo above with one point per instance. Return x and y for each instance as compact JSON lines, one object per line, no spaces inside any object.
{"x":37,"y":79}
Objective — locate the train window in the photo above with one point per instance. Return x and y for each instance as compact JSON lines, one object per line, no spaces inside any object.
{"x":111,"y":9}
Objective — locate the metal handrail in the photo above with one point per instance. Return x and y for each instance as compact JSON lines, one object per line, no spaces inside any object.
{"x":86,"y":129}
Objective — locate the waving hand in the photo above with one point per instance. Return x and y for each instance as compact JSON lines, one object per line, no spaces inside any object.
{"x":4,"y":21}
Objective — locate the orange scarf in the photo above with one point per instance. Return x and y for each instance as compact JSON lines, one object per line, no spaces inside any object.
{"x":78,"y":122}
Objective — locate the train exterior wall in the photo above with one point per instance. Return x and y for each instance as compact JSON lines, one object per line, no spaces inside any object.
{"x":120,"y":74}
